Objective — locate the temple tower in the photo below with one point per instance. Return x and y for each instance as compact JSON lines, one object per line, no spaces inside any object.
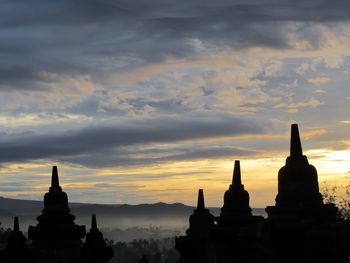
{"x":298,"y":190}
{"x":300,"y":228}
{"x":95,"y":249}
{"x":201,"y":220}
{"x":297,"y":180}
{"x":236,"y":201}
{"x":196,"y":247}
{"x":16,"y":250}
{"x":56,"y":238}
{"x":234,"y":236}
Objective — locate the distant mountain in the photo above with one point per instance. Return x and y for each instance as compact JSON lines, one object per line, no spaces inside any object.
{"x":24,"y":207}
{"x":19,"y":207}
{"x":109,"y":216}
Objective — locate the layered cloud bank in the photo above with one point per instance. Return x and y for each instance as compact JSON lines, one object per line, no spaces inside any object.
{"x":117,"y":144}
{"x":153,"y":97}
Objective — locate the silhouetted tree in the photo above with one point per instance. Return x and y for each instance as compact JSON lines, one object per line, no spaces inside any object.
{"x":331,"y":195}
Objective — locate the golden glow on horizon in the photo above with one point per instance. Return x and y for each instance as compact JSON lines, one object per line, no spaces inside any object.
{"x":332,"y":165}
{"x":179,"y":181}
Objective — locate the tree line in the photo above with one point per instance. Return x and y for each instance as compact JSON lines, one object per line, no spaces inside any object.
{"x":157,"y":250}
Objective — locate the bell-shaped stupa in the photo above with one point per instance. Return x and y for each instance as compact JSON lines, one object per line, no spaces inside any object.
{"x":56,"y":236}
{"x":16,"y":250}
{"x":234,"y":237}
{"x":201,"y":220}
{"x":195,"y":245}
{"x":297,"y":180}
{"x":300,"y":227}
{"x":236,"y":200}
{"x":95,"y":248}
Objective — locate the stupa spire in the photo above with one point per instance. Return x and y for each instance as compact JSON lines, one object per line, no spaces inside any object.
{"x":15,"y":224}
{"x":95,"y":248}
{"x":55,"y":183}
{"x":93,"y":222}
{"x":236,"y":199}
{"x":200,"y":201}
{"x":236,"y":178}
{"x":16,"y":249}
{"x":201,"y":219}
{"x":295,"y":144}
{"x":297,"y":180}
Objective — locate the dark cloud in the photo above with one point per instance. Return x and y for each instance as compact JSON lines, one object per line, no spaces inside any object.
{"x":121,"y":157}
{"x":98,"y":37}
{"x":123,"y":143}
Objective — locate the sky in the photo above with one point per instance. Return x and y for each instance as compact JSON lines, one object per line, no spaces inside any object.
{"x":149,"y":100}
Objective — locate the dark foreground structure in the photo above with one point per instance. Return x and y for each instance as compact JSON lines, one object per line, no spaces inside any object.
{"x":56,"y":238}
{"x":300,"y":228}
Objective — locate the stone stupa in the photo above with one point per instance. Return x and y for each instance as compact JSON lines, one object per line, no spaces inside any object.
{"x":16,"y":250}
{"x":234,"y":236}
{"x":300,"y":227}
{"x":95,"y":248}
{"x":56,"y":238}
{"x":196,"y":246}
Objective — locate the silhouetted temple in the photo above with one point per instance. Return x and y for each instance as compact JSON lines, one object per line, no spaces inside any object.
{"x":298,"y":182}
{"x":56,"y":238}
{"x":16,"y":250}
{"x":231,"y":239}
{"x":95,"y":248}
{"x":234,"y":236}
{"x":300,"y":228}
{"x":196,"y":247}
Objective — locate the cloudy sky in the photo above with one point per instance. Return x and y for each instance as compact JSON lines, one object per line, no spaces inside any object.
{"x":149,"y":100}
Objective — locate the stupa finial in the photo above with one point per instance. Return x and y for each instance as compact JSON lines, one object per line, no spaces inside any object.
{"x":295,"y":144}
{"x":15,"y":224}
{"x":93,"y":222}
{"x":200,"y":202}
{"x":236,"y":178}
{"x":54,"y":179}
